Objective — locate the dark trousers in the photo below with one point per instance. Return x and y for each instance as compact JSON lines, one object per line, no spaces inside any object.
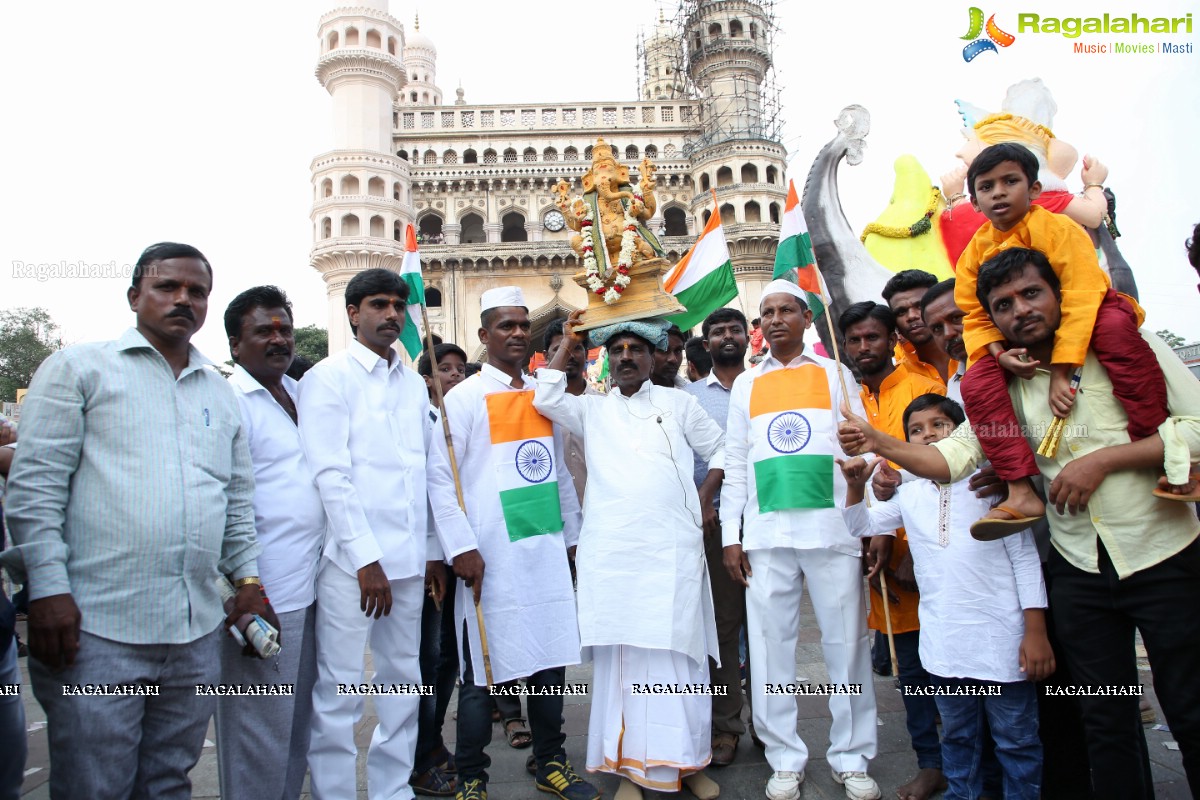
{"x":920,"y":710}
{"x":729,"y":603}
{"x":1096,"y":616}
{"x":475,"y":720}
{"x":439,"y":669}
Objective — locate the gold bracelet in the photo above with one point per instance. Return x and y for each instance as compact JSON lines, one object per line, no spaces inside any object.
{"x":251,"y":580}
{"x":1099,"y":186}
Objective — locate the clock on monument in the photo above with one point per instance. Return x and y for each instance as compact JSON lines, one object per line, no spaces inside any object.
{"x":554,"y":221}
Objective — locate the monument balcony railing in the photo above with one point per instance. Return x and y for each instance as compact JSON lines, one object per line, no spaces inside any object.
{"x":359,"y":159}
{"x":374,"y":244}
{"x":541,"y":169}
{"x":746,"y":188}
{"x":341,"y":202}
{"x":599,"y":117}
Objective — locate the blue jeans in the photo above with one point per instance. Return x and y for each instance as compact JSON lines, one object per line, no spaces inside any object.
{"x":1012,"y":718}
{"x":475,"y":720}
{"x":920,"y":710}
{"x":13,"y":741}
{"x":109,"y":746}
{"x":439,"y":669}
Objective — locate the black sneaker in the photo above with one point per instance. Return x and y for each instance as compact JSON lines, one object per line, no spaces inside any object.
{"x":472,"y":789}
{"x":558,"y":778}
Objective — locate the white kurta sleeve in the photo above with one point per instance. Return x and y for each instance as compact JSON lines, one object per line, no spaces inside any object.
{"x":453,"y":529}
{"x":735,"y":489}
{"x":325,"y":433}
{"x":880,"y":519}
{"x":555,"y":403}
{"x":703,"y":434}
{"x":1027,"y":568}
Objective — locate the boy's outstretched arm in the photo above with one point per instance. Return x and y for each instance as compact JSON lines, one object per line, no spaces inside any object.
{"x":857,"y":436}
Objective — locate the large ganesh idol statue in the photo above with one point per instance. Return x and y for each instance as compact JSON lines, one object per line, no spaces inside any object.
{"x":622,"y":259}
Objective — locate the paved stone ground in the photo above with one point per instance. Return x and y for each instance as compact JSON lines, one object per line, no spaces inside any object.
{"x":746,"y":778}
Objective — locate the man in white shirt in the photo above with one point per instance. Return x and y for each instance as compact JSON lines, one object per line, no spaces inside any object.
{"x":521,"y":516}
{"x":783,"y":488}
{"x":365,"y":427}
{"x":262,"y":741}
{"x":645,"y":607}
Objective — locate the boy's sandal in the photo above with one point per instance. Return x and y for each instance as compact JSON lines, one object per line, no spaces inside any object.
{"x":990,"y":529}
{"x":518,"y":734}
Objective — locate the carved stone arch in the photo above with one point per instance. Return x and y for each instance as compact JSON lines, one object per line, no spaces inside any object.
{"x":540,"y":319}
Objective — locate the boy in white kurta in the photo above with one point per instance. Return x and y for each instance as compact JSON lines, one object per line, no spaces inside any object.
{"x":645,"y":607}
{"x":983,"y":626}
{"x":521,"y":516}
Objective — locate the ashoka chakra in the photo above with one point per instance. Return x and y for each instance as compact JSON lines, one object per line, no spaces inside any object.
{"x":788,"y":432}
{"x":534,"y":461}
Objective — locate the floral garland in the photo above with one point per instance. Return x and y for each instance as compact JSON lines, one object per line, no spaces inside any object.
{"x":610,"y":292}
{"x":922,"y":225}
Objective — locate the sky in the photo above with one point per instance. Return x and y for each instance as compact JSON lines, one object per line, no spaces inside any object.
{"x":136,"y":122}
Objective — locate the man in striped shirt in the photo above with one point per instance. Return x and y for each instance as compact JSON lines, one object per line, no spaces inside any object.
{"x":130,"y":495}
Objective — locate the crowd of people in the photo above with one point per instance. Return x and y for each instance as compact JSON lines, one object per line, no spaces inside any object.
{"x":481,"y":527}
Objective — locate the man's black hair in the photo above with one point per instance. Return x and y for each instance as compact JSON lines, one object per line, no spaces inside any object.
{"x":374,"y":281}
{"x":991,"y":157}
{"x":1001,"y":269}
{"x":674,"y":331}
{"x":698,"y":356}
{"x":254,"y":297}
{"x":944,"y":404}
{"x":867,"y":310}
{"x":756,"y":321}
{"x":162,"y":252}
{"x":473,"y":367}
{"x":1193,"y":248}
{"x":557,"y":327}
{"x":908,"y":279}
{"x":300,"y":365}
{"x":722,"y":315}
{"x":425,"y":364}
{"x":936,"y":291}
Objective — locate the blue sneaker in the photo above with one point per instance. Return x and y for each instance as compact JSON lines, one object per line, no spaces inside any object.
{"x":557,"y":778}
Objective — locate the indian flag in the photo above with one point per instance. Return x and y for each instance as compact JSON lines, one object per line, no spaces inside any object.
{"x":791,"y":432}
{"x":703,"y":278}
{"x":794,"y":258}
{"x":410,"y":272}
{"x":523,"y":455}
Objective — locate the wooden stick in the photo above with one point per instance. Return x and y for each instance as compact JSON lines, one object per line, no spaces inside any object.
{"x":887,"y":611}
{"x":437,"y":392}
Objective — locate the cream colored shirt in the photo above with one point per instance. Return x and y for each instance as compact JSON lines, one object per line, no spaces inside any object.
{"x":1138,"y":529}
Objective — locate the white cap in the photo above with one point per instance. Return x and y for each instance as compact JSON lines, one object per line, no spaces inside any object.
{"x":501,"y":296}
{"x":784,"y":286}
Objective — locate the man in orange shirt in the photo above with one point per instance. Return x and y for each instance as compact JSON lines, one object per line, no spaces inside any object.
{"x":916,"y":349}
{"x":869,"y":334}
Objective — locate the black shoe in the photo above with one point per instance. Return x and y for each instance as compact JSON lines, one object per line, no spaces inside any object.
{"x":471,"y":789}
{"x":558,"y":778}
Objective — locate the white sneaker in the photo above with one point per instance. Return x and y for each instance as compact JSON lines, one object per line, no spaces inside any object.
{"x":859,"y":785}
{"x":785,"y":785}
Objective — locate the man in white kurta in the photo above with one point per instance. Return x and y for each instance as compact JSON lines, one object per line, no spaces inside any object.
{"x":782,"y":490}
{"x":364,"y":422}
{"x":645,"y":606}
{"x":521,"y":516}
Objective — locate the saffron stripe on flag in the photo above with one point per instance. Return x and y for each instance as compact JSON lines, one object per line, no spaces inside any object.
{"x":511,"y":416}
{"x":806,"y":386}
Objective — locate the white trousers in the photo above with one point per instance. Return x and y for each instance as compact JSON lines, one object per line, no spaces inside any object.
{"x":342,"y":635}
{"x":772,"y":628}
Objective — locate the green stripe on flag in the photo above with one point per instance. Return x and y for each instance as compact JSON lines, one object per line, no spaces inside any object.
{"x":787,"y":482}
{"x":706,"y":296}
{"x":792,"y":253}
{"x":532,"y":510}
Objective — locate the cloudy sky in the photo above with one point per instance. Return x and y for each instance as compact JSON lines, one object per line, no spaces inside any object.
{"x":134,"y":122}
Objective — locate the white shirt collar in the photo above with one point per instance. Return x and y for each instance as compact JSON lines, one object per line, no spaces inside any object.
{"x":498,"y":375}
{"x":248,"y":384}
{"x":370,"y":359}
{"x":805,"y":355}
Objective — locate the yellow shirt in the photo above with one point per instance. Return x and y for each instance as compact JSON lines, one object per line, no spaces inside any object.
{"x":1138,"y":529}
{"x":906,"y":356}
{"x":887,"y":414}
{"x":1073,"y":258}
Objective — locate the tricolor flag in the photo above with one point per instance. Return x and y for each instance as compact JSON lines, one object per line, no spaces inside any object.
{"x":791,"y":431}
{"x":703,"y":278}
{"x":523,"y":455}
{"x":410,"y":272}
{"x":794,"y":259}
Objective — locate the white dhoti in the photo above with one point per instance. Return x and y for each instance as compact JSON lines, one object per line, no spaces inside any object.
{"x":772,"y":628}
{"x":653,"y":739}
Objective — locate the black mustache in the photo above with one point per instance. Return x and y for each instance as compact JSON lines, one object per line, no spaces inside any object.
{"x":278,"y":351}
{"x":186,"y":313}
{"x":388,"y":327}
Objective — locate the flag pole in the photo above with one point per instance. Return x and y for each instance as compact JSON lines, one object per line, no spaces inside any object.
{"x":833,"y":339}
{"x":437,"y":392}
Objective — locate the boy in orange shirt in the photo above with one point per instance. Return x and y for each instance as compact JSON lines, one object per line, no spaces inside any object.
{"x":1002,"y":181}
